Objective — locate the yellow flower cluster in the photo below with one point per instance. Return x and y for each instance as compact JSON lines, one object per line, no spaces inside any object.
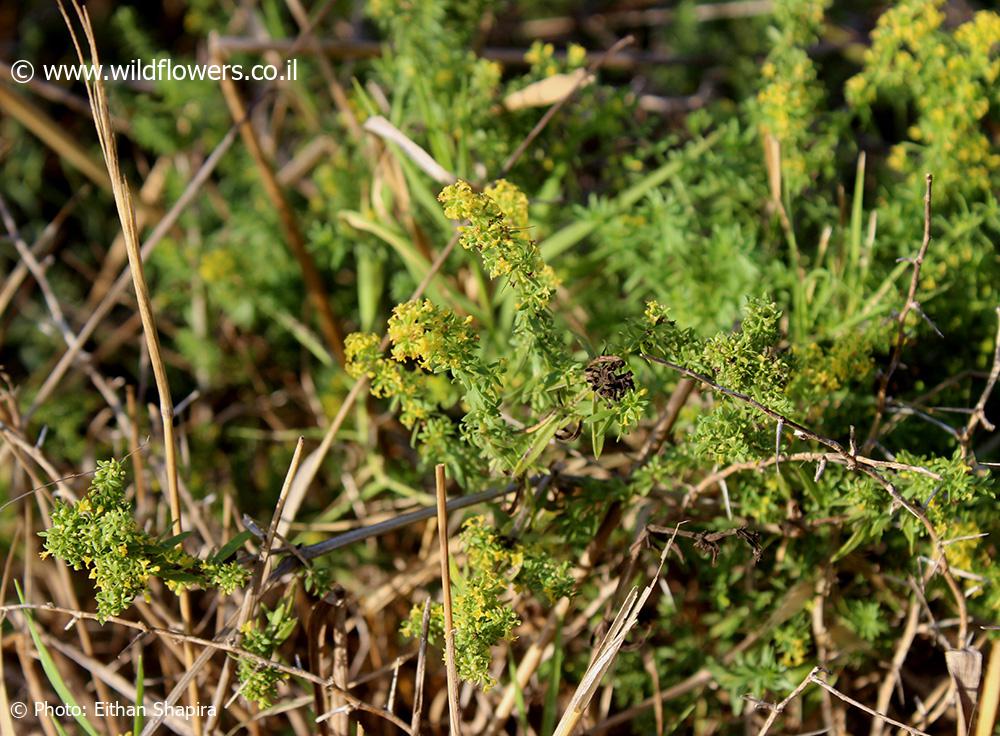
{"x":436,"y":338}
{"x":497,"y":229}
{"x":541,"y":58}
{"x":786,"y":105}
{"x":950,"y":78}
{"x":217,"y":266}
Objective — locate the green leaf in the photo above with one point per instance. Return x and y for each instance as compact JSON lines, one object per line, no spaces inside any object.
{"x":597,"y":432}
{"x":543,"y":435}
{"x":562,"y":240}
{"x":231,"y":546}
{"x":555,"y":678}
{"x":175,"y":539}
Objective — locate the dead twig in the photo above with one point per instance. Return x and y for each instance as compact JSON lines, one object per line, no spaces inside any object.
{"x":121,"y":284}
{"x":814,"y":678}
{"x":911,"y":303}
{"x":418,"y":685}
{"x":708,"y":542}
{"x":978,"y":416}
{"x":778,"y":708}
{"x":855,"y":463}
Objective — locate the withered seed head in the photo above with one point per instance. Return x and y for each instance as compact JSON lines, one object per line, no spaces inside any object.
{"x":610,"y":377}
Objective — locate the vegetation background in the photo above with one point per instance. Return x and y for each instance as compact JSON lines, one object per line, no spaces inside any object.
{"x":707,"y":358}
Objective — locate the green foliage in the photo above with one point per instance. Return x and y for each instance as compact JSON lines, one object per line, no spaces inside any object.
{"x":788,"y":105}
{"x":950,"y":76}
{"x":756,"y":674}
{"x":498,"y":219}
{"x":427,"y":340}
{"x":866,"y":619}
{"x":622,"y":231}
{"x":481,"y":617}
{"x":99,"y":534}
{"x":259,"y":682}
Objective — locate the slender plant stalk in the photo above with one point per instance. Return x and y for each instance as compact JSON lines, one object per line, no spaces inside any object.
{"x":911,"y":303}
{"x":341,"y":723}
{"x":289,"y":225}
{"x":130,"y":231}
{"x":454,"y":713}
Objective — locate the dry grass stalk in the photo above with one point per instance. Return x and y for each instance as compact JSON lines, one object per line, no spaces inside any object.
{"x":54,"y":136}
{"x":255,"y":591}
{"x":341,"y":722}
{"x":381,"y":127}
{"x":39,"y":249}
{"x":607,"y":652}
{"x":110,"y":299}
{"x":532,"y":658}
{"x":892,"y":677}
{"x":454,"y":713}
{"x":306,"y":35}
{"x":289,"y":224}
{"x":314,"y":460}
{"x":210,"y":648}
{"x":126,"y":214}
{"x":966,"y":668}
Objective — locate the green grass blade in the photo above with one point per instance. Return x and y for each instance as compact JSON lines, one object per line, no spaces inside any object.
{"x":140,"y":693}
{"x":522,"y":711}
{"x":857,"y":215}
{"x":551,"y":711}
{"x":231,"y":546}
{"x":543,"y":435}
{"x":371,"y":282}
{"x":562,"y":240}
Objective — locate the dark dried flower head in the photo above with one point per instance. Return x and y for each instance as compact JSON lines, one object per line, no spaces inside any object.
{"x":610,"y":377}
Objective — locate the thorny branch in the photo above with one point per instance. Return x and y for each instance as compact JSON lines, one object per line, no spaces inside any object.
{"x":979,"y":410}
{"x":911,"y":303}
{"x":708,"y":542}
{"x":813,"y":678}
{"x":856,"y":463}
